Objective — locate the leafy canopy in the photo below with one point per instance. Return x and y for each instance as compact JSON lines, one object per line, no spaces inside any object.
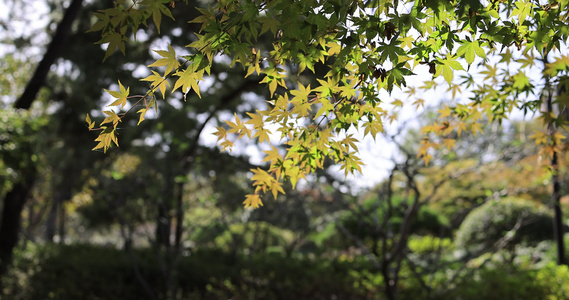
{"x":364,"y":46}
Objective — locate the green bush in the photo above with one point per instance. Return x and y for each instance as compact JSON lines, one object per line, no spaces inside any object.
{"x":512,"y":283}
{"x":88,"y":272}
{"x":494,"y":219}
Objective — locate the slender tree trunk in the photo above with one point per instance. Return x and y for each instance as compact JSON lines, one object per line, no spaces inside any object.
{"x":163,"y":223}
{"x":61,"y":227}
{"x":50,"y":222}
{"x":179,"y":214}
{"x":390,"y":288}
{"x":164,"y":218}
{"x":556,"y":185}
{"x":558,"y":216}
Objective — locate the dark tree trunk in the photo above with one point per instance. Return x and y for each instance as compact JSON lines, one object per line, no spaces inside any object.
{"x":10,"y":224}
{"x":61,"y":229}
{"x":50,"y":226}
{"x":179,"y":214}
{"x":163,"y":223}
{"x":164,"y":217}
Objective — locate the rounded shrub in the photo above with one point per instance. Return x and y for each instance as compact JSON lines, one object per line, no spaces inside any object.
{"x":524,"y":220}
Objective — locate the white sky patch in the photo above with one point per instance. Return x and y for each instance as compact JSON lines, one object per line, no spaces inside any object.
{"x":24,"y":20}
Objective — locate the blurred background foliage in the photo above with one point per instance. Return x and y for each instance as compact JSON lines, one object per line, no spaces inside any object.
{"x":162,"y":217}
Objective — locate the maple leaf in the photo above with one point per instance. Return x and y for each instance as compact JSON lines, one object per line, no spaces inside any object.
{"x":238,"y":127}
{"x":373,"y":128}
{"x":142,"y":112}
{"x":121,"y":96}
{"x":419,"y":103}
{"x":112,"y":118}
{"x":324,"y":109}
{"x":106,"y":138}
{"x":188,"y":80}
{"x":305,"y":62}
{"x":444,"y":112}
{"x":475,"y":128}
{"x":333,"y":48}
{"x":397,"y":103}
{"x":407,"y":41}
{"x":327,"y":88}
{"x":301,"y":93}
{"x":274,"y":77}
{"x":221,"y":133}
{"x":469,"y":49}
{"x":262,"y":134}
{"x":157,"y":9}
{"x":268,"y":23}
{"x":446,"y":67}
{"x":157,"y":81}
{"x":252,"y":201}
{"x":90,"y":123}
{"x":115,"y":40}
{"x":273,"y":155}
{"x":539,"y":137}
{"x":168,"y":59}
{"x":392,"y":51}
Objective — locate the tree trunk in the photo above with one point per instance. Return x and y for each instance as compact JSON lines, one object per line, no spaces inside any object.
{"x":179,"y":214}
{"x":10,"y":224}
{"x":556,"y":186}
{"x":50,"y":226}
{"x":558,"y":217}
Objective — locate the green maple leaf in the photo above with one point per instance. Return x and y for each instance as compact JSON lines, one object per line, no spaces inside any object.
{"x":168,"y":59}
{"x":397,"y":75}
{"x":305,"y":62}
{"x":522,"y":10}
{"x":157,"y":9}
{"x":115,"y":40}
{"x":447,"y":67}
{"x":392,"y":50}
{"x":469,"y":49}
{"x":327,"y":88}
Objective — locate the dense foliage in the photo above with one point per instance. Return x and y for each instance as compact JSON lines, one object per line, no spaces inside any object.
{"x":364,"y":48}
{"x":76,"y":271}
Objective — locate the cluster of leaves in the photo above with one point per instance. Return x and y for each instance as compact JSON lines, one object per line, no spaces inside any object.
{"x":365,"y":46}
